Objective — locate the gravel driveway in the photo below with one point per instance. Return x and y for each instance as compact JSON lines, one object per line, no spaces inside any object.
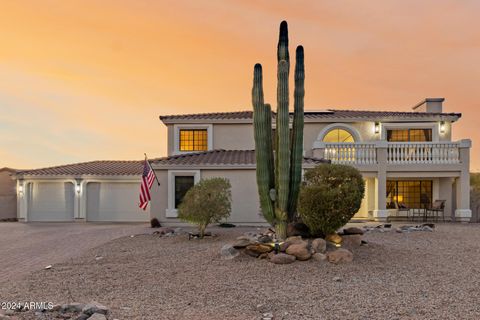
{"x":26,"y":247}
{"x":418,"y":275}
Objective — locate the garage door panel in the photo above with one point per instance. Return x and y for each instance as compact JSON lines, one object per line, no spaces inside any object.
{"x":51,"y":201}
{"x":114,"y":201}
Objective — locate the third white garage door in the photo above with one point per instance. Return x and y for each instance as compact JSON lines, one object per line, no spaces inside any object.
{"x":115,"y":202}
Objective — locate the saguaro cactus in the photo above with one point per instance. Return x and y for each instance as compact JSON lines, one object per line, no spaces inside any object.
{"x":279,"y":181}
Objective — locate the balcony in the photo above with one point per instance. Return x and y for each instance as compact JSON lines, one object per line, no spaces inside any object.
{"x":395,"y":153}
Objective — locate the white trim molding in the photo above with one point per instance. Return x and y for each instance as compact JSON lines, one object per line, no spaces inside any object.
{"x":176,"y":136}
{"x":318,"y":144}
{"x":171,"y":211}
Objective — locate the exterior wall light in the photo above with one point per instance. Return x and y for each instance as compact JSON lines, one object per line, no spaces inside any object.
{"x":20,"y":189}
{"x":77,"y":188}
{"x":442,"y":126}
{"x":377,"y":127}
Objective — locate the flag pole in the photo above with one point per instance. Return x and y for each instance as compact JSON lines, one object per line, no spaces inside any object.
{"x":156,"y":178}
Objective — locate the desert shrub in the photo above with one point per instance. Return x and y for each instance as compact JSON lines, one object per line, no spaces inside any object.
{"x":154,"y":223}
{"x":329,"y":197}
{"x":206,"y":202}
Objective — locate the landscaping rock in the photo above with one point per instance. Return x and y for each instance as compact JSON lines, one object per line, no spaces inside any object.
{"x":319,"y":245}
{"x":251,"y":253}
{"x":72,"y":307}
{"x":284,"y":246}
{"x":353,"y":230}
{"x":265,"y":239}
{"x":319,"y":257}
{"x":83,"y":316}
{"x":259,"y":248}
{"x":94,"y":307}
{"x":334,"y":238}
{"x":294,"y":240}
{"x":97,"y":316}
{"x":282,"y":258}
{"x":241,"y":243}
{"x":300,"y":251}
{"x":340,"y":256}
{"x":352,"y":241}
{"x":298,"y":229}
{"x":228,"y":252}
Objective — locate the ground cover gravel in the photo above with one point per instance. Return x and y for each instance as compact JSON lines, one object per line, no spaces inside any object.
{"x":416,"y":275}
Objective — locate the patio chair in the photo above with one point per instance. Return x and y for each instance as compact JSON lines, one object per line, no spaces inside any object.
{"x":437,"y":207}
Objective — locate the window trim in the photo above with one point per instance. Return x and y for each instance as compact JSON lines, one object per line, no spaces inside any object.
{"x":319,"y":144}
{"x":171,"y":212}
{"x":176,"y":136}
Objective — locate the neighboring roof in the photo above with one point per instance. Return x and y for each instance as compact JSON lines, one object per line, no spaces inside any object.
{"x":8,"y":169}
{"x":313,"y":116}
{"x":95,"y":168}
{"x":219,"y":157}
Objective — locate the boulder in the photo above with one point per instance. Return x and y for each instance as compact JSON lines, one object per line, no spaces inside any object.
{"x":228,"y":252}
{"x":251,"y":253}
{"x":97,"y":316}
{"x":94,"y":307}
{"x":319,"y":245}
{"x":340,"y":256}
{"x":282,"y":258}
{"x":300,"y":251}
{"x":294,"y":240}
{"x":319,"y":257}
{"x":241,"y":243}
{"x":335,"y":238}
{"x":298,"y":229}
{"x":352,"y":241}
{"x":353,"y":230}
{"x":83,"y":316}
{"x":259,"y":248}
{"x":265,"y":239}
{"x":284,"y":246}
{"x":72,"y":307}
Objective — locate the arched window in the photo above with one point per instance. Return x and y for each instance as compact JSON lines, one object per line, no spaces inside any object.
{"x":338,"y":135}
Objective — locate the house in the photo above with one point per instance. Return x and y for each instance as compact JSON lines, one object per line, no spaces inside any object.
{"x":406,"y":158}
{"x":8,"y":195}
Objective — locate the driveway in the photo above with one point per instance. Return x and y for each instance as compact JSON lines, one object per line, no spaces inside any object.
{"x":28,"y":247}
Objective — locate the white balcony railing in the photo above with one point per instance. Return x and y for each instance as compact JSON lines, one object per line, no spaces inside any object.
{"x":351,"y":153}
{"x":423,"y":152}
{"x":396,"y":152}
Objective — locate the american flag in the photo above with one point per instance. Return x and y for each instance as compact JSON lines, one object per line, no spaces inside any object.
{"x":148,"y":177}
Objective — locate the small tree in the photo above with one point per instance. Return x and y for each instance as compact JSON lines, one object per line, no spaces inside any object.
{"x":206,"y":202}
{"x":330,"y":196}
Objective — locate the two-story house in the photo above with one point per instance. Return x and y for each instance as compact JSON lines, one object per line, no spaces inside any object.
{"x":408,"y":161}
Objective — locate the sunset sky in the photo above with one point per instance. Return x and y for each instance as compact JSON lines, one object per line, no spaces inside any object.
{"x":87,"y":80}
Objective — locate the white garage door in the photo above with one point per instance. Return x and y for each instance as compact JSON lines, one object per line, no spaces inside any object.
{"x":114,"y":201}
{"x":51,"y":201}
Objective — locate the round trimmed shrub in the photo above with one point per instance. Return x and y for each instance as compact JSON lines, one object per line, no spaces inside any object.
{"x":206,"y":202}
{"x":330,"y":196}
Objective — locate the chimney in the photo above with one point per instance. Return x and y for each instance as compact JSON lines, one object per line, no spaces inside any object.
{"x":430,"y":105}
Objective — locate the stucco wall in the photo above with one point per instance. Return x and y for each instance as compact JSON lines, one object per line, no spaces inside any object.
{"x":8,"y":195}
{"x":233,"y":136}
{"x":245,"y":205}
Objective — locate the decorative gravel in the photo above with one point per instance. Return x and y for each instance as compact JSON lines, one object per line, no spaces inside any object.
{"x":416,"y":275}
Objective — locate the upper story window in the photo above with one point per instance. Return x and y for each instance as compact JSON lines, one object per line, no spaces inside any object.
{"x":409,"y":135}
{"x":193,"y":140}
{"x":338,"y":136}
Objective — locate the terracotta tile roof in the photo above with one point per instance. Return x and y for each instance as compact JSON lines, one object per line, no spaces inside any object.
{"x":218,"y":158}
{"x":313,"y":115}
{"x":97,"y":168}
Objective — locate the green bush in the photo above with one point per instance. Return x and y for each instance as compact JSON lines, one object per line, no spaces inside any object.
{"x":206,"y":202}
{"x":329,"y":197}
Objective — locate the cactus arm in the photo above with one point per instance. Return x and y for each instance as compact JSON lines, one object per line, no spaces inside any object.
{"x":282,"y":47}
{"x":283,"y":131}
{"x":296,"y":157}
{"x":262,"y":132}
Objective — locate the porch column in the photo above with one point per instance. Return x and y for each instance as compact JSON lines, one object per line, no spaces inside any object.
{"x":22,"y":205}
{"x":79,"y":197}
{"x":381,"y":213}
{"x":463,"y":213}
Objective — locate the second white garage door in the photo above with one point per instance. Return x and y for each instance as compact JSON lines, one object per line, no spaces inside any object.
{"x":115,"y":202}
